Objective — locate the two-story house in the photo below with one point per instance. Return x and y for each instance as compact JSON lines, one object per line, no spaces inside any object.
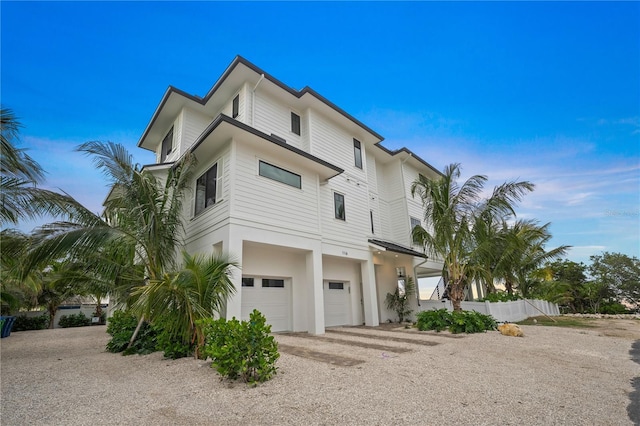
{"x":300,"y":193}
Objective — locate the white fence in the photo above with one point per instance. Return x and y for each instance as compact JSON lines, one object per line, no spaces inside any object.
{"x":502,"y":311}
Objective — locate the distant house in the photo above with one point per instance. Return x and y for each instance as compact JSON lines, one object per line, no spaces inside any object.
{"x":301,"y":193}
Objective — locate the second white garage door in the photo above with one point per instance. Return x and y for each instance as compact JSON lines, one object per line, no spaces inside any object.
{"x":337,"y":306}
{"x":272,"y":297}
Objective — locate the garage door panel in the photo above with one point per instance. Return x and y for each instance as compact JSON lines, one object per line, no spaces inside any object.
{"x":336,"y":304}
{"x":273,"y":302}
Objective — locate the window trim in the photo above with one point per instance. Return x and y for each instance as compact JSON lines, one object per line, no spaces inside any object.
{"x":261,"y":162}
{"x":296,"y":124}
{"x":163,"y":154}
{"x":336,"y":212}
{"x":235,"y":106}
{"x":217,"y":193}
{"x":357,"y":153}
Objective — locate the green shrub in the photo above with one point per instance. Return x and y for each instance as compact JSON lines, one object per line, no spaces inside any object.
{"x":500,"y":296}
{"x":243,"y":350}
{"x":121,"y":327}
{"x":172,"y":345}
{"x":23,"y":323}
{"x":613,"y":308}
{"x":437,"y":320}
{"x":455,"y":322}
{"x":77,"y":320}
{"x":471,"y":322}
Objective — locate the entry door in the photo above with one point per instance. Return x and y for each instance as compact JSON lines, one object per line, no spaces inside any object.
{"x":337,"y":303}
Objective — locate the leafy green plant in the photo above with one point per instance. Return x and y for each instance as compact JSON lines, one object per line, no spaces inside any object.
{"x":455,"y":322}
{"x":23,"y":323}
{"x":173,"y":344}
{"x":242,"y":350}
{"x":76,"y":320}
{"x":437,"y":320}
{"x":121,"y":327}
{"x":500,"y":296}
{"x":399,"y":302}
{"x":471,"y":322}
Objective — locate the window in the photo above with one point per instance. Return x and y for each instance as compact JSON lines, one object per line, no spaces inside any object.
{"x":167,"y":145}
{"x":207,"y":189}
{"x":357,"y":153}
{"x":415,"y":222}
{"x":338,"y":204}
{"x":247,"y":282}
{"x":236,"y":107}
{"x":281,"y":175}
{"x":295,"y":123}
{"x":336,"y":286}
{"x":371,"y":217}
{"x":269,"y":282}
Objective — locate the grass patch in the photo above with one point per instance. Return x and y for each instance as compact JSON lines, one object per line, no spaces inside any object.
{"x":571,"y":322}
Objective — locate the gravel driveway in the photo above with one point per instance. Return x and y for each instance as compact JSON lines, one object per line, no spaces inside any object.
{"x":551,"y":376}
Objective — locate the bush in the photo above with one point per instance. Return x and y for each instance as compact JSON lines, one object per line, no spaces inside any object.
{"x":77,"y":320}
{"x":121,"y":327}
{"x":456,"y":322}
{"x":173,"y":346}
{"x":500,"y":296}
{"x":24,"y":323}
{"x":613,"y":308}
{"x":241,"y":349}
{"x":437,"y":320}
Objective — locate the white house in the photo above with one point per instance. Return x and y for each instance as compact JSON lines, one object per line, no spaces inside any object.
{"x":301,"y":193}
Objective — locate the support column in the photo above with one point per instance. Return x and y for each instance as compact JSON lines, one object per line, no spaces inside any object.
{"x":233,"y":246}
{"x":369,"y":294}
{"x":315,"y":294}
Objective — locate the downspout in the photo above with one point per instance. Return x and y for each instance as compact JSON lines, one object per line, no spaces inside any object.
{"x":253,"y":99}
{"x":415,"y":274}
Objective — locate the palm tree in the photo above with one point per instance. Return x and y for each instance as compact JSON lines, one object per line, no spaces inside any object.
{"x":451,"y":210}
{"x":180,"y":299}
{"x":20,"y":198}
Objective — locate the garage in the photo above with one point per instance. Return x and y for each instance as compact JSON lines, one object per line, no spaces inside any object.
{"x":272,"y":297}
{"x":337,"y":306}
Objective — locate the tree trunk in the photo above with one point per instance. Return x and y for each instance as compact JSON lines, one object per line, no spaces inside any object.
{"x":135,"y":333}
{"x":52,"y":315}
{"x":456,"y":293}
{"x":509,"y":286}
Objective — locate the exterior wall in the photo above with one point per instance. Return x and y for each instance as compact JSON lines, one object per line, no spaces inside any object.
{"x":387,"y":281}
{"x":193,"y":124}
{"x":274,"y":117}
{"x":346,"y":270}
{"x":393,"y":198}
{"x":265,"y":202}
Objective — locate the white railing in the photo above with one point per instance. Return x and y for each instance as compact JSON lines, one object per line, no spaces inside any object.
{"x":517,"y":310}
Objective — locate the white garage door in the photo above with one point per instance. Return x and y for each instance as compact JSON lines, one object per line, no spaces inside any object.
{"x":271,"y":296}
{"x":337,"y":306}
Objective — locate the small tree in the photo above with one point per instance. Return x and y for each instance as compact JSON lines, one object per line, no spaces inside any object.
{"x":399,"y":300}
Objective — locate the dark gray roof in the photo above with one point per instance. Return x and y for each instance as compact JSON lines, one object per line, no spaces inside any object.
{"x":397,"y":248}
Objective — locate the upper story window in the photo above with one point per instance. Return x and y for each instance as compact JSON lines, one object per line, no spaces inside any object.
{"x":357,"y":153}
{"x":208,"y":188}
{"x":373,"y":231}
{"x":338,"y":206}
{"x":295,"y":123}
{"x":236,"y":106}
{"x":281,"y":175}
{"x":415,"y":222}
{"x":167,"y":145}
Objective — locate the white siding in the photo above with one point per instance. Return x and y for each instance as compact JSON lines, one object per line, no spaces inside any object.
{"x":334,"y":144}
{"x":193,"y":125}
{"x":355,"y":229}
{"x":372,"y":171}
{"x":271,"y":116}
{"x":216,"y":216}
{"x":261,"y":200}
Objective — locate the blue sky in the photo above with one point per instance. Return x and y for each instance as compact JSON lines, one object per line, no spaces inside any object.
{"x":544,"y":91}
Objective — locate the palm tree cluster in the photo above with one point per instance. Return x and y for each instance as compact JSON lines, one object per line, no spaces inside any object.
{"x":478,"y":238}
{"x":131,"y":253}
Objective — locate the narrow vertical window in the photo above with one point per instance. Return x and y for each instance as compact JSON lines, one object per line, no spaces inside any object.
{"x":357,"y":153}
{"x":338,"y":201}
{"x":236,"y":106}
{"x":295,"y":123}
{"x":167,"y":145}
{"x":206,"y":189}
{"x":371,"y":217}
{"x":414,"y":222}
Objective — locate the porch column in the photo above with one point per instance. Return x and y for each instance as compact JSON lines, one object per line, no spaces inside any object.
{"x":315,"y":294}
{"x":233,"y":247}
{"x":369,"y":295}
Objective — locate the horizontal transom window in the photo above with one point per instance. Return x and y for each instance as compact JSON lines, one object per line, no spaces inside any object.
{"x":336,"y":286}
{"x":281,"y":175}
{"x":270,"y":282}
